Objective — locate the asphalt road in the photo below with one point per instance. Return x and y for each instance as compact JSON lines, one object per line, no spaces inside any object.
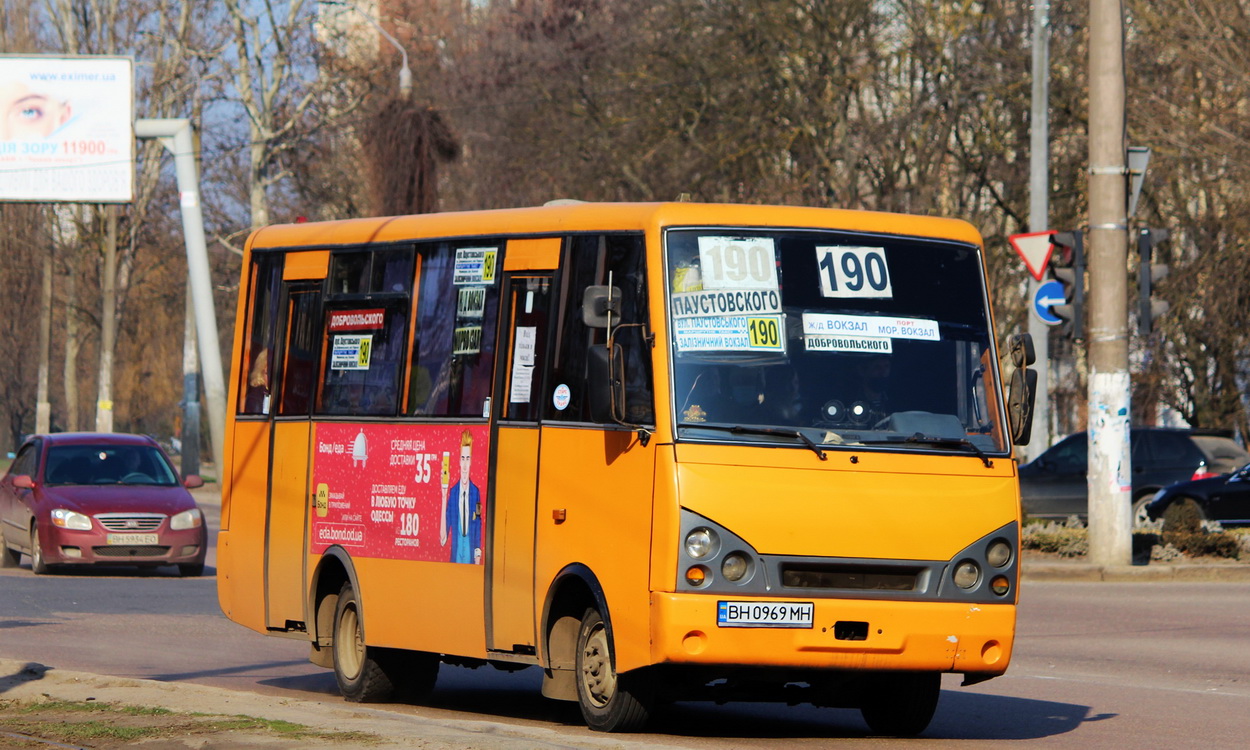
{"x":1096,"y":665}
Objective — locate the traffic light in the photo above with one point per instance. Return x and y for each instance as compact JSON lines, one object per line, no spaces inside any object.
{"x":1149,"y":274}
{"x":1067,"y":263}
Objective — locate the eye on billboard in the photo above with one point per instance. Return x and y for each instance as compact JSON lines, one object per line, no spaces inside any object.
{"x":66,"y":129}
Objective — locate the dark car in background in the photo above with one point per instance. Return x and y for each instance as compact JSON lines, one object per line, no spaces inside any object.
{"x":1224,"y":498}
{"x":73,"y":499}
{"x":1054,"y":485}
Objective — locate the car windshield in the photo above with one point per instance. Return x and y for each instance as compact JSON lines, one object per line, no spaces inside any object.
{"x":108,"y":464}
{"x":831,"y":338}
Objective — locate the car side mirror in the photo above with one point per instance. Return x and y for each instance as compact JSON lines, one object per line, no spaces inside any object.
{"x":23,"y":482}
{"x":191,"y":481}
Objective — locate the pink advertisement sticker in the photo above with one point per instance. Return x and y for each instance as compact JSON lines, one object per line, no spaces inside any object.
{"x":403,"y":492}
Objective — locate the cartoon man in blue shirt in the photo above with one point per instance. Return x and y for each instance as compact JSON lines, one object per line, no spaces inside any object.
{"x":461,"y":519}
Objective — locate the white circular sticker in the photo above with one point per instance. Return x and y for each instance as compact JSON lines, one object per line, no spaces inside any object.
{"x":561,"y":397}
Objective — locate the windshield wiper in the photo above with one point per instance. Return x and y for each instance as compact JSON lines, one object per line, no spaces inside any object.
{"x":948,"y":441}
{"x":738,"y":429}
{"x":934,"y":440}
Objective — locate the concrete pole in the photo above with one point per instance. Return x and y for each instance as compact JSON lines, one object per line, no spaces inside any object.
{"x":1110,"y":473}
{"x":176,"y":136}
{"x":108,"y":323}
{"x":1039,"y":217}
{"x":43,"y":407}
{"x":190,"y":456}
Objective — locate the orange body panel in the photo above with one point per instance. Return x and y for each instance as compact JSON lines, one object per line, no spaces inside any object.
{"x":919,"y":636}
{"x":513,"y":612}
{"x":885,"y":505}
{"x":602,"y":481}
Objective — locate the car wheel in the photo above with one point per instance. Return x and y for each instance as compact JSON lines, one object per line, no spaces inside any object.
{"x":361,"y":677}
{"x":1140,"y":516}
{"x":610,"y":702}
{"x":191,"y":570}
{"x":901,"y":705}
{"x":38,"y":565}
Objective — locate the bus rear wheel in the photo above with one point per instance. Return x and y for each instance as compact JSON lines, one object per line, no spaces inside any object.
{"x":610,"y":702}
{"x":901,"y":705}
{"x":361,"y":678}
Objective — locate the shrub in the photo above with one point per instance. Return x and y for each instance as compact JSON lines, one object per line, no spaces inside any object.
{"x":1185,"y":530}
{"x":1183,"y":517}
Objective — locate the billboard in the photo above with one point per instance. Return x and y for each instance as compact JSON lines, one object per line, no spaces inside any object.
{"x":66,"y":129}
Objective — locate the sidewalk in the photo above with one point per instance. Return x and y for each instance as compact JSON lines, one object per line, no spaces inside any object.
{"x":329,"y":724}
{"x":1078,"y":569}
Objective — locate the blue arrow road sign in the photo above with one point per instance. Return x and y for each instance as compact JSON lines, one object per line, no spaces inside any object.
{"x":1048,"y":295}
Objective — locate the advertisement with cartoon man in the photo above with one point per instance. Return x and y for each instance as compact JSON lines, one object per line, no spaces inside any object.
{"x":461,"y":527}
{"x":390,"y":491}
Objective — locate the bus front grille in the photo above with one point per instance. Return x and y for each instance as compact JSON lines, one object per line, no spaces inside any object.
{"x":849,"y":577}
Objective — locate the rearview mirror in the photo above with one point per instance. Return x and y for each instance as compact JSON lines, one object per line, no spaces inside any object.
{"x":191,"y":481}
{"x":23,"y":482}
{"x":601,"y":306}
{"x":1020,"y":397}
{"x":606,"y":376}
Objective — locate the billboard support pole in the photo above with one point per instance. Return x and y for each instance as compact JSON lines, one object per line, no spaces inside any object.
{"x":176,"y":136}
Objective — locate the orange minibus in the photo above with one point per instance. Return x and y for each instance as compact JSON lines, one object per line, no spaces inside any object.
{"x":658,"y":451}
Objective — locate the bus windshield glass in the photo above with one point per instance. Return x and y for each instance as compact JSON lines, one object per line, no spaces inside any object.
{"x":831,"y":338}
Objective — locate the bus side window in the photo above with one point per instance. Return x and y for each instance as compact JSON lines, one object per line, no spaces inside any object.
{"x":457,"y":314}
{"x":262,"y":329}
{"x":588,"y":260}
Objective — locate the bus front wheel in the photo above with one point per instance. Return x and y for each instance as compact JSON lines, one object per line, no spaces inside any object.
{"x":361,"y":678}
{"x":610,"y":702}
{"x":901,"y":705}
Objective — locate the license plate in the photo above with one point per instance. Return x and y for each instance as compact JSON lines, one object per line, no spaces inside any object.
{"x":764,"y":614}
{"x":130,"y":539}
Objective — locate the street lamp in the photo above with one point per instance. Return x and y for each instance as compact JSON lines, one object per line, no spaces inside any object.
{"x":405,"y":73}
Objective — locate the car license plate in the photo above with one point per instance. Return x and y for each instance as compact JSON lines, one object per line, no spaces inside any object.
{"x":764,"y":614}
{"x":133,"y":539}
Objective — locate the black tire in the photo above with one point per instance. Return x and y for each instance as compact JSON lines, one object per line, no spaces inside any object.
{"x":367,"y":674}
{"x":191,"y":570}
{"x":902,"y":704}
{"x":610,"y":702}
{"x":38,"y":565}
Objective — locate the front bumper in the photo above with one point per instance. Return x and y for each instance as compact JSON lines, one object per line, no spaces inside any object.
{"x":73,"y":547}
{"x":847,"y":634}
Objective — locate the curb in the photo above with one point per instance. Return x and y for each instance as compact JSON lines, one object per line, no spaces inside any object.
{"x":1088,"y":572}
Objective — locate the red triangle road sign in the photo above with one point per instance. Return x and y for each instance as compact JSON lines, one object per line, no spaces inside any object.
{"x":1035,"y":249}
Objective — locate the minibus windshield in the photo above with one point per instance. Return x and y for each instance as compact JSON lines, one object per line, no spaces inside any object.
{"x":833,"y":338}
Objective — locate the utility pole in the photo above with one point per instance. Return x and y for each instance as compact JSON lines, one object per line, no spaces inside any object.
{"x":1039,"y":215}
{"x":1110,"y":473}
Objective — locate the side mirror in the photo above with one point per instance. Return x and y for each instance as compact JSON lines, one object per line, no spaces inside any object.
{"x":1021,"y":348}
{"x":191,"y":481}
{"x":1020,"y":397}
{"x":605,"y":374}
{"x":601,"y":306}
{"x":23,"y":482}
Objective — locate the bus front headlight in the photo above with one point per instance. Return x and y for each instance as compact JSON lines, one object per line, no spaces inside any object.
{"x":701,"y":543}
{"x":967,"y":574}
{"x":735,"y":566}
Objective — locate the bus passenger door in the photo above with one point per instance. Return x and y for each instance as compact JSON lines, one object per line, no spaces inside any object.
{"x":514,"y":476}
{"x":286,"y":522}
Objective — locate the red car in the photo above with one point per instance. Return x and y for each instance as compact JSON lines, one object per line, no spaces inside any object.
{"x":99,"y":499}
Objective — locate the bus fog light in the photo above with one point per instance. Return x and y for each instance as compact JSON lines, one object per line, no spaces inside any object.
{"x":998,"y":554}
{"x":967,"y":574}
{"x":735,"y":566}
{"x":700,"y":543}
{"x":1000,"y":585}
{"x":696,"y":575}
